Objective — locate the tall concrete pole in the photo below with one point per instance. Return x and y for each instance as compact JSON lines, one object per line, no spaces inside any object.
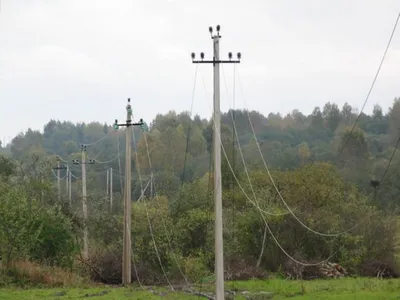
{"x":219,"y":248}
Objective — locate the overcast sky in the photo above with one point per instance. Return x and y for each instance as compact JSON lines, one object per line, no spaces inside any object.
{"x":79,"y":60}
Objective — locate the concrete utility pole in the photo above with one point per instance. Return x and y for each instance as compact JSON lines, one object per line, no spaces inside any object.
{"x":219,"y":244}
{"x":67,"y":181}
{"x":111,"y":189}
{"x":83,"y":163}
{"x":127,"y":244}
{"x":107,"y":184}
{"x":151,"y":185}
{"x":59,"y":168}
{"x":70,"y":188}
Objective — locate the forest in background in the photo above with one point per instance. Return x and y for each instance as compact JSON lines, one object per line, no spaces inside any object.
{"x":321,"y":166}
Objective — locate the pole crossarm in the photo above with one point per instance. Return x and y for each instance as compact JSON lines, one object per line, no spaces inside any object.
{"x":63,"y":167}
{"x":128,"y":121}
{"x":91,"y":161}
{"x":215,"y":60}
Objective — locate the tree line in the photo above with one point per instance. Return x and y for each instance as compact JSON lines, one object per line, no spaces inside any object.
{"x":322,"y":165}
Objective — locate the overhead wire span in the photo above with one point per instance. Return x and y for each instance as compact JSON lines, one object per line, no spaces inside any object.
{"x":390,"y":160}
{"x":61,"y":159}
{"x":239,"y":184}
{"x":72,"y":175}
{"x":119,"y":165}
{"x":98,"y":154}
{"x":147,"y":213}
{"x":187,"y":141}
{"x":163,"y":220}
{"x":108,"y":161}
{"x":273,"y":181}
{"x":54,"y":173}
{"x":240,"y":149}
{"x":372,"y":85}
{"x":256,"y":205}
{"x":98,"y":141}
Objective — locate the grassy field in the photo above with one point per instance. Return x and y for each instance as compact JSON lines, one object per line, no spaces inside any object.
{"x":347,"y":288}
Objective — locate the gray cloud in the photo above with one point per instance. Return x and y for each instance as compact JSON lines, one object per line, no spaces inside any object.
{"x":80,"y":60}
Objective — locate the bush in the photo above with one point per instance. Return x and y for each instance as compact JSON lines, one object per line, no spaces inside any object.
{"x":26,"y":273}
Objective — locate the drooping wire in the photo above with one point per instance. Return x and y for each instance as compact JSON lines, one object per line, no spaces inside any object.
{"x":162,"y":218}
{"x":187,"y":145}
{"x":273,"y":181}
{"x":256,"y":205}
{"x":239,"y":184}
{"x":108,"y":161}
{"x":119,"y":166}
{"x":98,"y":141}
{"x":54,"y":173}
{"x":390,"y":160}
{"x":147,"y":211}
{"x":372,"y":86}
{"x":266,"y":223}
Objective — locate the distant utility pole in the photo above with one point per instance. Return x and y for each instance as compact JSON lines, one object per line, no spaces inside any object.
{"x":127,"y":251}
{"x":219,"y":251}
{"x":83,"y":163}
{"x":111,"y":189}
{"x":108,"y":180}
{"x":67,"y":181}
{"x":59,"y":168}
{"x":70,"y":188}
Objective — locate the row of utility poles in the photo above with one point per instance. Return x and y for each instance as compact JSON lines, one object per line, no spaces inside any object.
{"x":109,"y":191}
{"x":219,"y":257}
{"x":127,"y":250}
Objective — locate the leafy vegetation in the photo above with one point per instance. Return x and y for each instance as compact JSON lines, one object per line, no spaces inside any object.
{"x":321,"y":166}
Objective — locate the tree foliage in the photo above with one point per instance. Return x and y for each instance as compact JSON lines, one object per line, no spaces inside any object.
{"x":321,"y":167}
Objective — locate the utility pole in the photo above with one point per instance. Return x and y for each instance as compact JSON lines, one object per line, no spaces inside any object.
{"x":67,"y":181}
{"x":108,"y":178}
{"x":127,"y":244}
{"x":111,"y":188}
{"x":70,"y":189}
{"x":219,"y":244}
{"x":151,"y":185}
{"x":83,"y":163}
{"x":59,"y":168}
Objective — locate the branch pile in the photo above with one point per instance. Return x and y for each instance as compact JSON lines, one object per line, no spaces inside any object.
{"x":324,"y":270}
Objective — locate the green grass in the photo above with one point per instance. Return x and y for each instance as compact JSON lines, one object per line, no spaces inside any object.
{"x":346,"y":288}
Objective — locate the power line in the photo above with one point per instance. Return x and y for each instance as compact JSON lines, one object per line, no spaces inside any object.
{"x":148,"y":216}
{"x":372,"y":86}
{"x":256,"y":205}
{"x":390,"y":160}
{"x":98,"y":141}
{"x":187,"y":145}
{"x":163,"y":220}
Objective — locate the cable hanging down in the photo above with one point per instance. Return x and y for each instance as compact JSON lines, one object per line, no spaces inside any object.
{"x":274,"y":183}
{"x":238,"y":182}
{"x":256,"y":205}
{"x":187,"y":141}
{"x":372,"y":86}
{"x":163,"y":220}
{"x":266,"y":223}
{"x":241,"y":152}
{"x":148,"y":216}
